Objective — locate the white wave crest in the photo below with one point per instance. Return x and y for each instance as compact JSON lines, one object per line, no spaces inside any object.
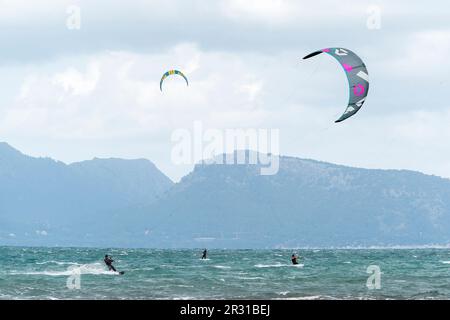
{"x":278,"y":265}
{"x":92,"y":268}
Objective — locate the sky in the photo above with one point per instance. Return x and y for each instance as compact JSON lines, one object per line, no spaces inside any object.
{"x":80,"y":79}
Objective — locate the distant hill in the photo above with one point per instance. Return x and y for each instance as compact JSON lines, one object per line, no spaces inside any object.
{"x":46,"y":201}
{"x":308,"y":203}
{"x":113,"y":202}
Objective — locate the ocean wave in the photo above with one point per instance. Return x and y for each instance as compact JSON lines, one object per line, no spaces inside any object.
{"x":429,"y":294}
{"x":93,"y":269}
{"x":183,"y":298}
{"x":445,"y":262}
{"x":278,"y":265}
{"x":146,"y":269}
{"x":60,"y":263}
{"x":222,"y":267}
{"x":305,"y":298}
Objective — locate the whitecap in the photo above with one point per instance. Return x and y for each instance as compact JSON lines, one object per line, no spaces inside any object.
{"x":278,"y":265}
{"x":60,"y":263}
{"x":250,"y":278}
{"x":302,"y":298}
{"x":93,"y":269}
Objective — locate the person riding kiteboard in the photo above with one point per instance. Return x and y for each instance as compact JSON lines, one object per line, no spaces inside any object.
{"x":108,"y":261}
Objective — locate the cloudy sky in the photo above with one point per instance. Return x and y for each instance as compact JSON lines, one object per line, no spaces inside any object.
{"x":76,"y":93}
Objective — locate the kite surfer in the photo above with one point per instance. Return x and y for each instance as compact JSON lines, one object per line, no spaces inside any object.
{"x":108,"y":261}
{"x":294,"y":258}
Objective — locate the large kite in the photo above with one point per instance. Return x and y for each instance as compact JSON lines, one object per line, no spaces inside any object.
{"x":169,"y":73}
{"x":357,"y":75}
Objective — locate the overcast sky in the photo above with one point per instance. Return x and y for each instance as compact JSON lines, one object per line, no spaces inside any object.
{"x":75,"y":94}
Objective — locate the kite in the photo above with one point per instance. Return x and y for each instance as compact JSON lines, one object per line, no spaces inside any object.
{"x":357,"y":75}
{"x":169,"y":73}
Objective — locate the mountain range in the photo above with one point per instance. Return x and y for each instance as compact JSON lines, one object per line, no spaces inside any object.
{"x":130,"y":203}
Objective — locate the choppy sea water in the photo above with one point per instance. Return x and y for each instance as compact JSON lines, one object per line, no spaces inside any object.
{"x":43,"y":273}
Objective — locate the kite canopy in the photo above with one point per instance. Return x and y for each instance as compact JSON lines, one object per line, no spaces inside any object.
{"x":357,"y":75}
{"x":169,"y":73}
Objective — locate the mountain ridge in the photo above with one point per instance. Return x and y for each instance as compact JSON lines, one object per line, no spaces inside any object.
{"x":307,"y":203}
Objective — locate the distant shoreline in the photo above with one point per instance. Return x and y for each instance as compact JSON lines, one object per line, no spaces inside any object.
{"x":406,"y":247}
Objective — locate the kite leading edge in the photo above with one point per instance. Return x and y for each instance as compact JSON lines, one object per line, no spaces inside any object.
{"x":169,"y":73}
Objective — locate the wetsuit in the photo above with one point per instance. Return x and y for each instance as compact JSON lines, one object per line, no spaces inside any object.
{"x":294,"y":260}
{"x":204,"y":254}
{"x":108,"y":262}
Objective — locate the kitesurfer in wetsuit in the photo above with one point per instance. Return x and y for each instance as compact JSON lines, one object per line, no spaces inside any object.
{"x":294,"y":259}
{"x":108,"y":261}
{"x":204,"y":254}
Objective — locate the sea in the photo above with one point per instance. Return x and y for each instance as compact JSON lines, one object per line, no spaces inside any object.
{"x":79,"y":273}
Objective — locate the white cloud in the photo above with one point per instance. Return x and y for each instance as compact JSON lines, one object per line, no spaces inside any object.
{"x":22,"y":11}
{"x":117,"y":95}
{"x":41,"y":233}
{"x":268,"y":10}
{"x":285,"y":13}
{"x":252,"y":89}
{"x":425,"y":54}
{"x":96,"y":92}
{"x":75,"y":82}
